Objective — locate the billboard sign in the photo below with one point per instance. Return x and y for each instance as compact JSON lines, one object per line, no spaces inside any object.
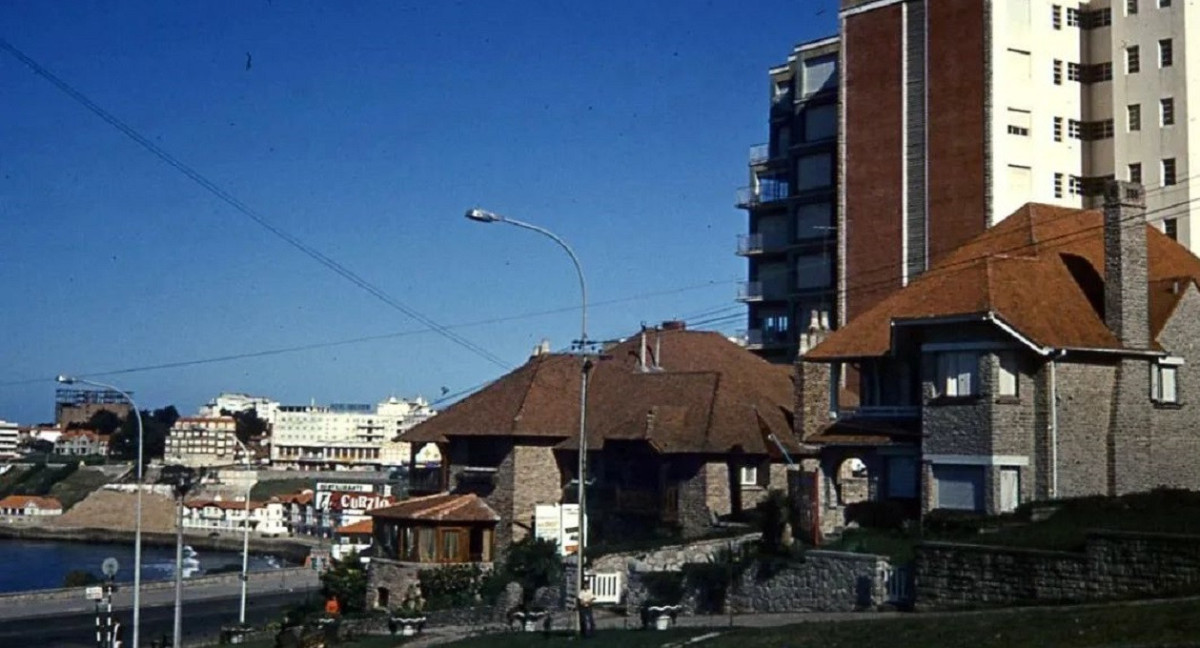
{"x":558,"y":523}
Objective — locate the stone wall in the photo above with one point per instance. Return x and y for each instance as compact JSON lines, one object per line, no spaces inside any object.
{"x":1113,"y":565}
{"x":1176,"y":451}
{"x":1085,"y":394}
{"x":824,"y":581}
{"x":535,"y":481}
{"x":671,"y":558}
{"x":393,"y":576}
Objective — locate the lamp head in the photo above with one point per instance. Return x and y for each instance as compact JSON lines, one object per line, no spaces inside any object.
{"x":483,"y":215}
{"x":65,"y":379}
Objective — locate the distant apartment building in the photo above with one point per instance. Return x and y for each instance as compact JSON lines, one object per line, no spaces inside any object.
{"x":79,"y":442}
{"x":951,"y":115}
{"x":954,"y":114}
{"x":231,"y":403}
{"x":791,"y":244}
{"x":228,"y":516}
{"x":201,"y":441}
{"x":10,"y":434}
{"x":346,"y":437}
{"x":79,"y":405}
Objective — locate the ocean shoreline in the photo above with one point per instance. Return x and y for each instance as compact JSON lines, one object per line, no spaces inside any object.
{"x":292,"y":550}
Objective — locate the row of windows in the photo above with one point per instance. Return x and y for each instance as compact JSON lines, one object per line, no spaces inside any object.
{"x":1095,"y":19}
{"x":1133,"y":56}
{"x":956,"y":375}
{"x":1097,"y":130}
{"x":1168,"y":168}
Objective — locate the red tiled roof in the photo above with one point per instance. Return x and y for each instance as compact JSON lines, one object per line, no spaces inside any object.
{"x":295,"y":498}
{"x":25,"y":501}
{"x":710,"y":397}
{"x":361,"y":527}
{"x":1040,"y":271}
{"x":443,"y":507}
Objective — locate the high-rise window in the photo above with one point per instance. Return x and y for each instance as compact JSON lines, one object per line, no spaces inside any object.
{"x":1075,"y":185}
{"x":1074,"y":72}
{"x":1166,"y":110}
{"x":1135,"y":172}
{"x":1074,"y":129}
{"x":1166,"y":53}
{"x":1133,"y":115}
{"x":1056,"y":16}
{"x":1058,"y":188}
{"x":1171,"y":228}
{"x":1168,"y":172}
{"x":1019,"y":122}
{"x":1163,"y":4}
{"x":1058,"y":129}
{"x":1072,"y":17}
{"x":1133,"y":59}
{"x":1057,"y":72}
{"x":1131,"y":7}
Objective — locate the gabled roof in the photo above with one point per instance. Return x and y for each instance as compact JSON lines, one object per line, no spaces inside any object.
{"x":30,"y":501}
{"x":361,"y":527}
{"x":1040,"y":271}
{"x":443,"y":507}
{"x":710,"y":396}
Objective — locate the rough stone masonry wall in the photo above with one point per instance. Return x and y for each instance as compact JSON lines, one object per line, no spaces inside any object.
{"x":1085,"y":394}
{"x":1176,"y":450}
{"x":535,"y":481}
{"x":826,"y":581}
{"x":1113,"y":565}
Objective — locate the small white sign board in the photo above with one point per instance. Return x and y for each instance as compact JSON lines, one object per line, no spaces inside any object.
{"x":95,"y":593}
{"x":558,"y":523}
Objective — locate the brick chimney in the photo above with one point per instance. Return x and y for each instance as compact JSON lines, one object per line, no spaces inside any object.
{"x":812,"y":398}
{"x":1126,"y":286}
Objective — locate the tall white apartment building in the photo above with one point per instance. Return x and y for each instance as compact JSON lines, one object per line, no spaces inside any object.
{"x":9,"y":436}
{"x":202,"y":441}
{"x":954,"y":113}
{"x":345,"y":437}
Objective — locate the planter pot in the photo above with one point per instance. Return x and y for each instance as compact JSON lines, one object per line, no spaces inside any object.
{"x":663,"y":615}
{"x":409,"y":626}
{"x":530,"y":621}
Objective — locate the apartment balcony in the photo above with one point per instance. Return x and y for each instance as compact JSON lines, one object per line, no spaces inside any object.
{"x":749,"y":244}
{"x":758,"y":338}
{"x":750,"y":291}
{"x":759,"y":154}
{"x":768,"y":192}
{"x":883,"y":411}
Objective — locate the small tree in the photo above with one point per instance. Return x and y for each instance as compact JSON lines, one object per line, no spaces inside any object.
{"x":346,"y":580}
{"x":533,"y":563}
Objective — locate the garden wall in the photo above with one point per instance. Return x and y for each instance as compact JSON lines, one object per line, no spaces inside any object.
{"x":1112,"y":565}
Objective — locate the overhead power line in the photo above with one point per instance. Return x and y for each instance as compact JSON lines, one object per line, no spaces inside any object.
{"x":248,"y":212}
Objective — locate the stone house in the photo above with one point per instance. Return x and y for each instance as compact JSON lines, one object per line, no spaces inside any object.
{"x":679,"y":429}
{"x":1054,"y":355}
{"x":78,"y":442}
{"x":423,"y":533}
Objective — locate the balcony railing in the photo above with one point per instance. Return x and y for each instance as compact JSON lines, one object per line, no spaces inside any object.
{"x":750,"y":291}
{"x":757,"y":338}
{"x":764,"y":193}
{"x":760,"y":153}
{"x":749,"y":244}
{"x":884,"y":411}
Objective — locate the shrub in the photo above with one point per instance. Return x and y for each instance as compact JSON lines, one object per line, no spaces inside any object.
{"x":948,"y":523}
{"x":80,"y":578}
{"x":774,"y":514}
{"x":450,"y":586}
{"x":663,"y":588}
{"x":533,"y":563}
{"x":886,"y":514}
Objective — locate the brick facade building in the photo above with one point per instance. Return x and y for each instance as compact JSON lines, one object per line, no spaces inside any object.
{"x":1052,"y":356}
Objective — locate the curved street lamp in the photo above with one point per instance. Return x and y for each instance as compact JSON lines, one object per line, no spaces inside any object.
{"x":484,"y":216}
{"x":137,"y":542}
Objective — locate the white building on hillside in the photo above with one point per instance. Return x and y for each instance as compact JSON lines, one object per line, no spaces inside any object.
{"x":9,"y":435}
{"x":202,"y":442}
{"x":345,"y":437}
{"x":228,"y":516}
{"x":232,"y":402}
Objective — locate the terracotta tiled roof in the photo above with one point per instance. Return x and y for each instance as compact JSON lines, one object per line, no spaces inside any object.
{"x":1040,"y":271}
{"x":361,"y":527}
{"x":864,"y":431}
{"x":25,"y":501}
{"x":295,"y":498}
{"x":443,"y":507}
{"x":710,"y":397}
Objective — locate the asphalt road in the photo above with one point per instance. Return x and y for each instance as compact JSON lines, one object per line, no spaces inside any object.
{"x":201,"y":619}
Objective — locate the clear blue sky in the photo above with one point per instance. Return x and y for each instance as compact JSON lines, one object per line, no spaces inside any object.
{"x":366,"y":129}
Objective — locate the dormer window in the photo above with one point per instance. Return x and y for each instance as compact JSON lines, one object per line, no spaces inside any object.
{"x":1164,"y":386}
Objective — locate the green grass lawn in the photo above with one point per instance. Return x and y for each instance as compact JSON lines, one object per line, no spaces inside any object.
{"x":1175,"y":623}
{"x":602,"y":639}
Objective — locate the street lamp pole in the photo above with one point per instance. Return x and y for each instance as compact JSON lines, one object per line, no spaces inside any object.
{"x":137,"y":541}
{"x":245,"y":536}
{"x":484,"y":216}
